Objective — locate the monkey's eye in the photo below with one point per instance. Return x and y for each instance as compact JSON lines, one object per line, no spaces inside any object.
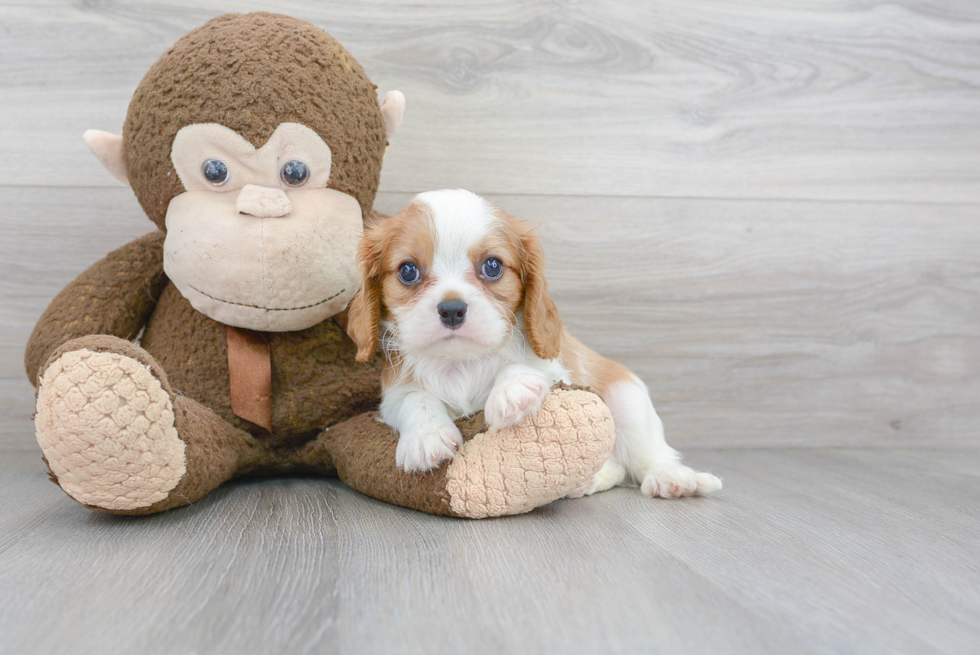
{"x":295,"y":173}
{"x":215,"y":171}
{"x":492,"y":269}
{"x":408,"y":273}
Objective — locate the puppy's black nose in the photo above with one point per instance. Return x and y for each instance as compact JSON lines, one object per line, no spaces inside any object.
{"x":452,"y":313}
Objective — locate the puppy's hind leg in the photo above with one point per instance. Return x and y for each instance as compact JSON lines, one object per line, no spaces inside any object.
{"x":612,"y":474}
{"x":641,"y":446}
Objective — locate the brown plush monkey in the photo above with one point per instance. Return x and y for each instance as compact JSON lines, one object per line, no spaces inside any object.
{"x":255,"y":146}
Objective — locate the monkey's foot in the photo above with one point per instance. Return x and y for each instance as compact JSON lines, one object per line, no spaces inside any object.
{"x":513,"y":470}
{"x":106,"y":426}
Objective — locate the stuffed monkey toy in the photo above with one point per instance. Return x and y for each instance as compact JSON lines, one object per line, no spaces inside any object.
{"x":215,"y":347}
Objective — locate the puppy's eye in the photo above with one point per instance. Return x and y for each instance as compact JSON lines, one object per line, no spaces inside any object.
{"x":215,"y":171}
{"x":408,"y":273}
{"x":492,"y":269}
{"x":295,"y":173}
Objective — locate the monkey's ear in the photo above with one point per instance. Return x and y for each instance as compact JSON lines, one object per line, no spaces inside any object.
{"x":109,"y":149}
{"x":393,"y":111}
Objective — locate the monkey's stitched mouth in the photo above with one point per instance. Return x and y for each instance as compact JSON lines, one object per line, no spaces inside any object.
{"x":268,"y":309}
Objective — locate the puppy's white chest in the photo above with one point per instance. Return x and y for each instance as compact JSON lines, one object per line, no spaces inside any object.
{"x":463,"y":386}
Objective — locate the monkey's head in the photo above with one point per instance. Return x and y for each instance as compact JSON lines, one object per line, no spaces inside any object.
{"x":256,"y":143}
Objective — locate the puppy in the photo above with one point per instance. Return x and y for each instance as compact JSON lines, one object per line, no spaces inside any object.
{"x":454,"y":288}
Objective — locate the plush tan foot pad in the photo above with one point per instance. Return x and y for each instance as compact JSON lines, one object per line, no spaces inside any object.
{"x":514,"y":470}
{"x":106,"y":427}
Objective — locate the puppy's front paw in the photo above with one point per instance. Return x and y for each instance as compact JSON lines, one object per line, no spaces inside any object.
{"x":427,"y":446}
{"x":678,"y":481}
{"x":513,"y":400}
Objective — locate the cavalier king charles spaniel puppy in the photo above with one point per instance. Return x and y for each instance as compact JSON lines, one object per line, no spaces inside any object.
{"x":454,"y":289}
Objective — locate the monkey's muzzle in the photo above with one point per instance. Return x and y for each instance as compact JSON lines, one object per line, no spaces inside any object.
{"x":260,"y":260}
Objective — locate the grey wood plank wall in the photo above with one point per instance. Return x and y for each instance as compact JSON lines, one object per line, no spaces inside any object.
{"x":771,"y":212}
{"x":841,"y":99}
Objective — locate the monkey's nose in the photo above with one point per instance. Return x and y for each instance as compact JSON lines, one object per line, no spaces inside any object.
{"x":263,"y":202}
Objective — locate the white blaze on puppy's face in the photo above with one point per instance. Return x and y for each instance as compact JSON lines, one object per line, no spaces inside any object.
{"x":271,"y":202}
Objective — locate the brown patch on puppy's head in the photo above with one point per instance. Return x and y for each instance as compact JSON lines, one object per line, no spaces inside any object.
{"x":408,"y":236}
{"x":503,"y":241}
{"x":542,"y":322}
{"x":252,"y":72}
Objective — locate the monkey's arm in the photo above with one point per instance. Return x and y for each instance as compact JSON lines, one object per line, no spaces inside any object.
{"x":114,"y":296}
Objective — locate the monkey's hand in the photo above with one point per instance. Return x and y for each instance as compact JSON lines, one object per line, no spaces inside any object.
{"x":115,"y":296}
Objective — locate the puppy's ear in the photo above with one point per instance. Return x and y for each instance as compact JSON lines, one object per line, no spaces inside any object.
{"x":364,"y":314}
{"x":541,"y":319}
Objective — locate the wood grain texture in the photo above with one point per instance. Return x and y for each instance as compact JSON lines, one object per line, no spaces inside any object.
{"x":804,"y":552}
{"x":838,"y":99}
{"x":755,"y":323}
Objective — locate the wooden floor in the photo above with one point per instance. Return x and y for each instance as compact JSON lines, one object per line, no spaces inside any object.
{"x":770,"y":212}
{"x":809,"y":551}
